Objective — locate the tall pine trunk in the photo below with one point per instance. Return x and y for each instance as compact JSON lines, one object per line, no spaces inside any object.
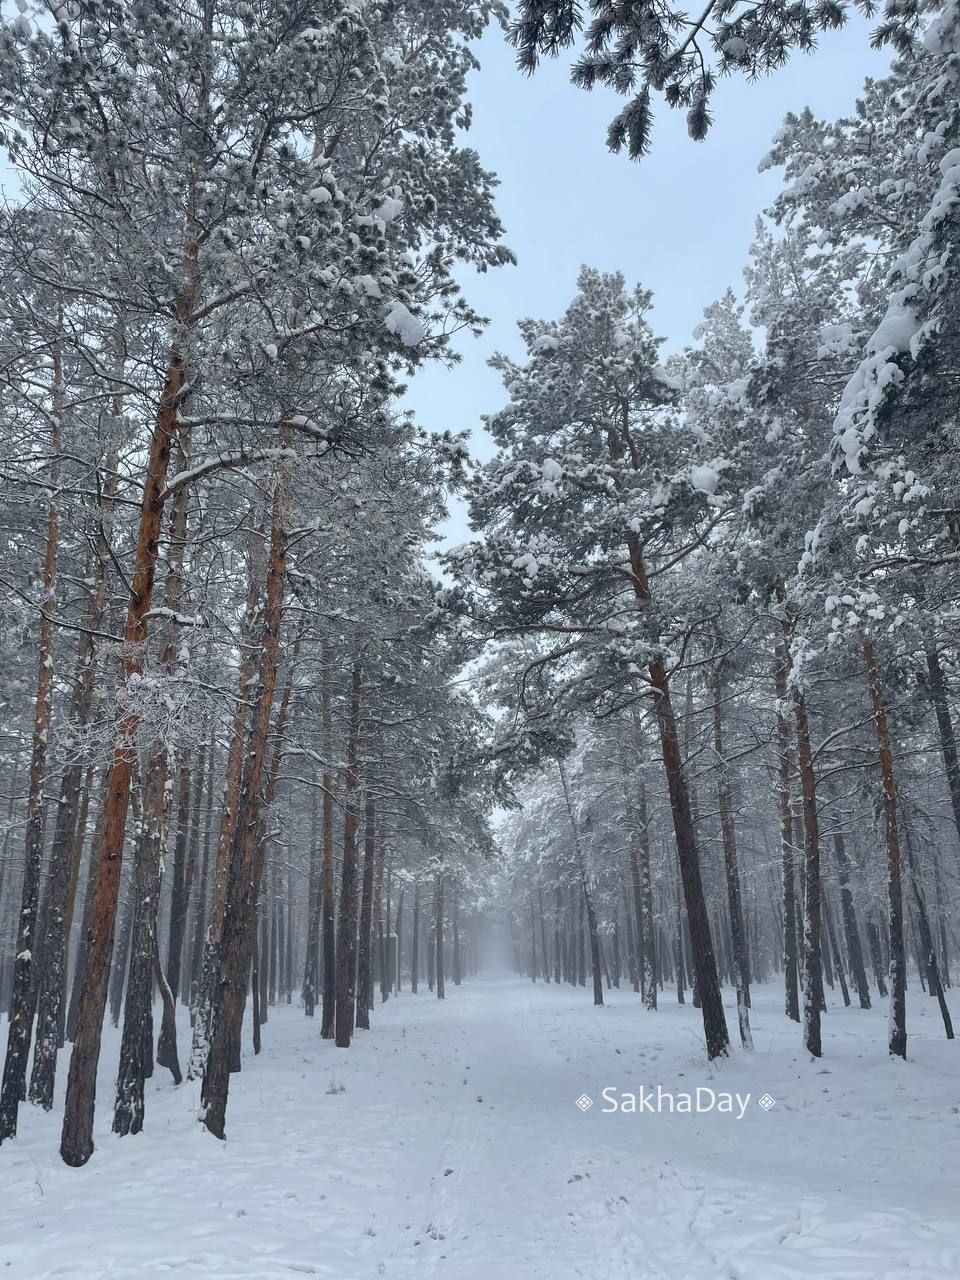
{"x":415,"y":940}
{"x":67,"y":849}
{"x":707,"y":983}
{"x":647,"y":941}
{"x":199,"y":925}
{"x":848,"y":914}
{"x":13,"y":1088}
{"x":812,"y":976}
{"x":233,"y":776}
{"x":76,"y":1144}
{"x":311,"y":959}
{"x":180,"y":888}
{"x":136,"y":1046}
{"x":937,"y":687}
{"x":701,"y":945}
{"x":738,"y":937}
{"x":438,"y":933}
{"x":455,"y":923}
{"x":365,"y":945}
{"x":328,"y":885}
{"x":594,"y":936}
{"x":242,"y":885}
{"x":347,"y":914}
{"x":897,"y":1023}
{"x":787,"y":850}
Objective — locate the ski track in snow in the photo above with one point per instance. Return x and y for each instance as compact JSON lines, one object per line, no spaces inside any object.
{"x":446,"y":1142}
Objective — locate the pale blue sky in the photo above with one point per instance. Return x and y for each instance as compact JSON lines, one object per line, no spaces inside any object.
{"x":679,"y":222}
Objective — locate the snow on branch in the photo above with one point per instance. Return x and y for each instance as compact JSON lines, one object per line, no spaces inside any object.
{"x":222,"y":462}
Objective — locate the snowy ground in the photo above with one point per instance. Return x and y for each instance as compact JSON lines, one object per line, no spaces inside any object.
{"x":447,"y":1142}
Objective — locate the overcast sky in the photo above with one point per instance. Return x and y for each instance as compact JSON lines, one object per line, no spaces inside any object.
{"x":679,"y":222}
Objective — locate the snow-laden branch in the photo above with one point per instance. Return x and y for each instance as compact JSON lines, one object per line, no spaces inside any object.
{"x":178,"y":619}
{"x":222,"y":462}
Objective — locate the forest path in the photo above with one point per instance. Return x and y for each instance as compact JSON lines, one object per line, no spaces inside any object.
{"x":521,"y":1182}
{"x":447,"y":1143}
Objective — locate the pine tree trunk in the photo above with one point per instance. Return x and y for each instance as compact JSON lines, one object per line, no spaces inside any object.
{"x":897,"y":1027}
{"x":707,"y":984}
{"x":13,"y":1088}
{"x":633,"y":962}
{"x":741,"y":961}
{"x":258,"y":815}
{"x":311,"y":962}
{"x":263,"y":944}
{"x":329,"y":994}
{"x":638,"y":922}
{"x":121,"y":956}
{"x":415,"y":940}
{"x":136,"y":1047}
{"x":678,"y":945}
{"x":927,"y":949}
{"x":243,"y":886}
{"x":647,"y":939}
{"x":785,"y":770}
{"x":76,"y":1145}
{"x":812,"y":979}
{"x":457,"y":974}
{"x":838,"y":959}
{"x":347,"y":915}
{"x":558,"y":934}
{"x":199,"y":777}
{"x":67,"y":849}
{"x":288,"y":954}
{"x":543,"y":933}
{"x":233,"y":776}
{"x":704,"y":963}
{"x":364,"y":952}
{"x":398,"y":929}
{"x":378,"y":876}
{"x":587,"y":900}
{"x":849,"y":916}
{"x":255,"y":990}
{"x":580,"y":942}
{"x":273,"y":914}
{"x":438,"y":936}
{"x":941,"y":920}
{"x":876,"y":958}
{"x":167,"y":1055}
{"x":948,"y":743}
{"x":180,"y":887}
{"x":86,"y":926}
{"x":16,"y":752}
{"x":200,"y":909}
{"x":79,"y":841}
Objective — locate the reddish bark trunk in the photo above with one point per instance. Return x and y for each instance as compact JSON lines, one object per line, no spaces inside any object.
{"x":76,"y":1144}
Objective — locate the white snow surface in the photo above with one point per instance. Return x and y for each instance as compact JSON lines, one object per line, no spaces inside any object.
{"x":447,"y":1142}
{"x":401,"y":321}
